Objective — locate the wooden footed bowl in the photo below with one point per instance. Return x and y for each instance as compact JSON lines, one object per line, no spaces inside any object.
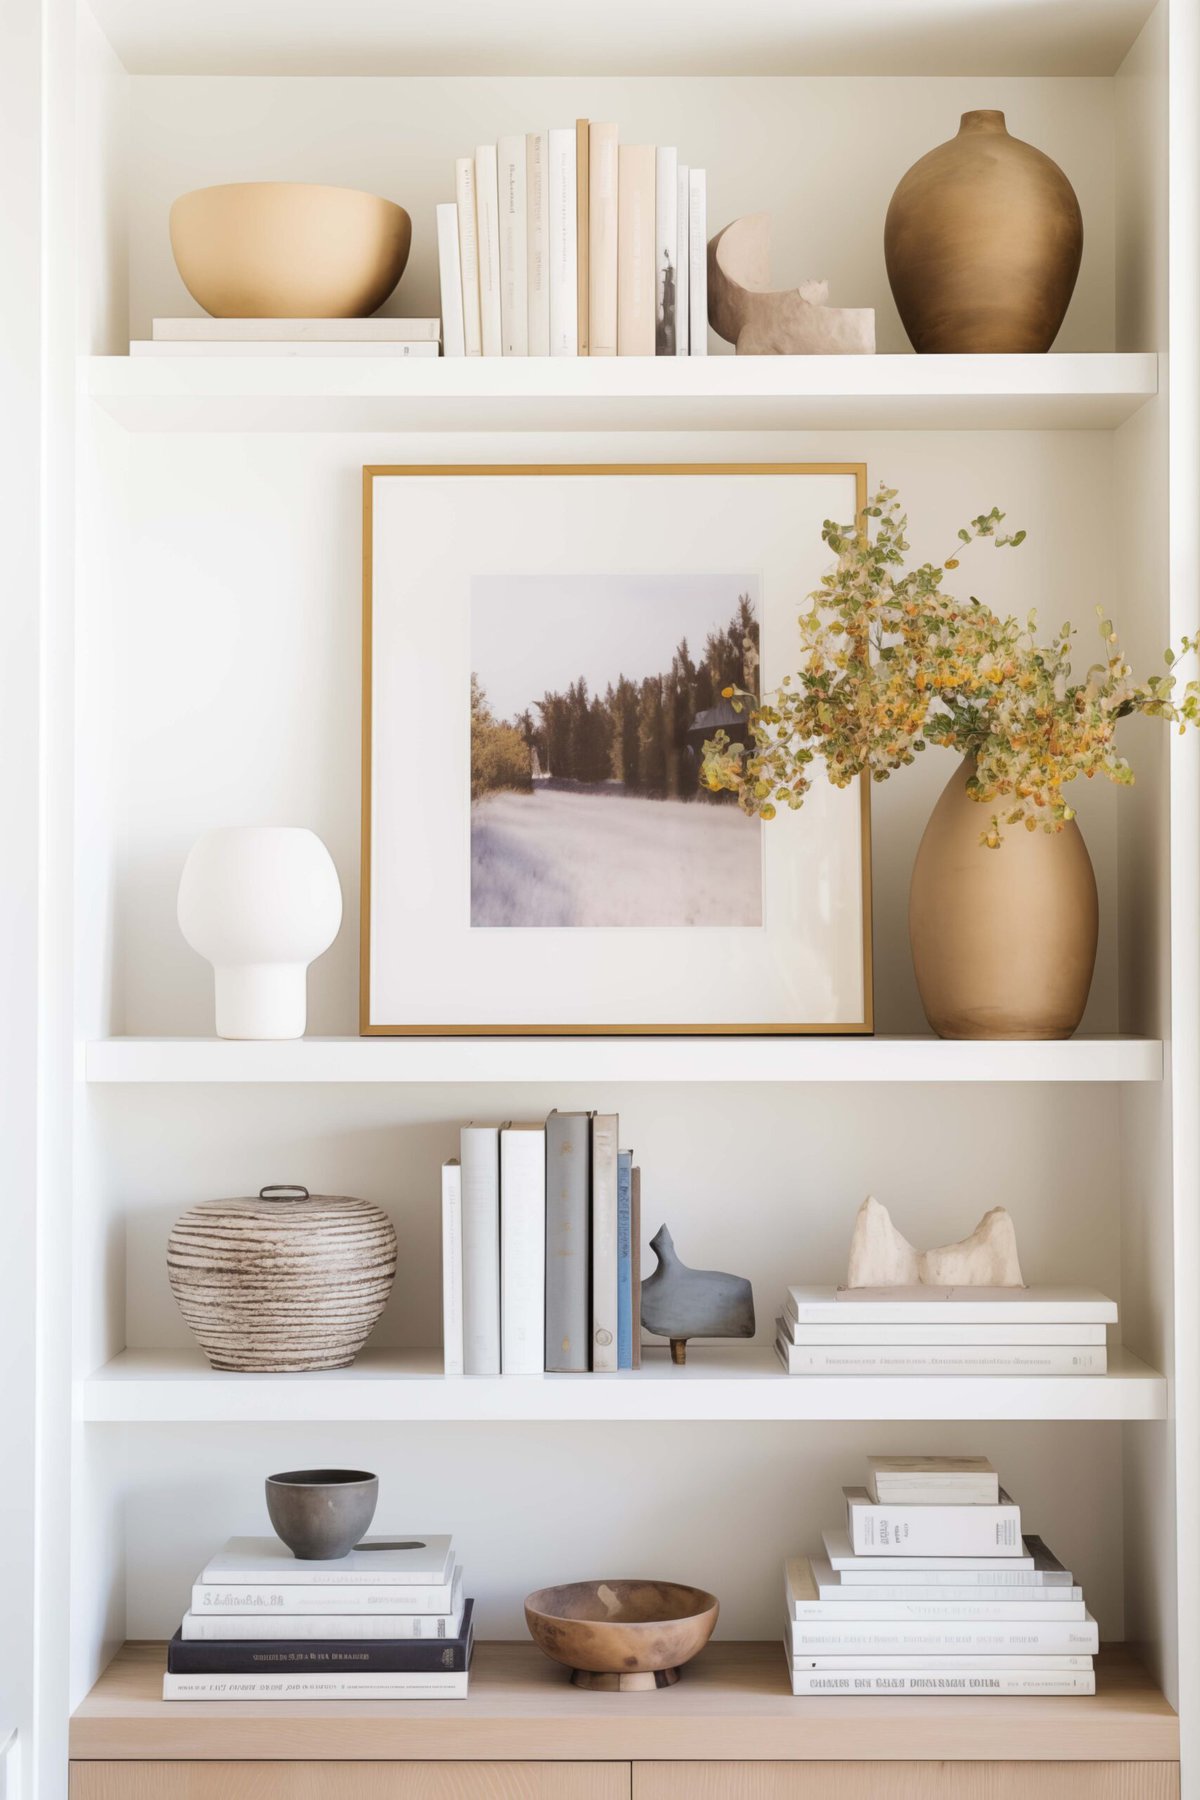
{"x":621,"y":1635}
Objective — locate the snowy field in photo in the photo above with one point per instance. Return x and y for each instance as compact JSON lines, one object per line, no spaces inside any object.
{"x":597,"y":856}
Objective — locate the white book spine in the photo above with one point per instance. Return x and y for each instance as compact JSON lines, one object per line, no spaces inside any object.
{"x":950,"y":1306}
{"x":683,"y":261}
{"x":450,"y":278}
{"x":941,"y":1611}
{"x":537,"y":223}
{"x":602,"y":239}
{"x":512,"y":179}
{"x":468,"y":252}
{"x":1050,"y":1636}
{"x":943,"y":1681}
{"x":932,"y":1530}
{"x":604,"y":1243}
{"x":840,"y":1556}
{"x":301,"y":348}
{"x":480,"y":1156}
{"x":452,"y":1269}
{"x":953,"y":1663}
{"x":971,"y":1337}
{"x":561,"y":242}
{"x":487,"y":215}
{"x":997,"y":1581}
{"x":666,"y":249}
{"x":362,"y":1686}
{"x":698,"y":261}
{"x":228,"y":1598}
{"x":522,"y":1250}
{"x":294,"y":331}
{"x":215,"y":1628}
{"x":928,"y":1359}
{"x":1035,"y":1598}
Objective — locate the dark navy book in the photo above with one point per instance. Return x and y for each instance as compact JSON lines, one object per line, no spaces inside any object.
{"x":391,"y":1656}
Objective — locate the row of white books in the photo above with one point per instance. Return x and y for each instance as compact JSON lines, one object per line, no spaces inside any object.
{"x":389,"y":1621}
{"x":541,"y":1234}
{"x":944,"y":1331}
{"x":916,"y":1594}
{"x":567,"y":242}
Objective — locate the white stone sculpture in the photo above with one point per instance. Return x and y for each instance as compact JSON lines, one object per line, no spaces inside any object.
{"x":744,"y":309}
{"x":260,"y":903}
{"x":881,"y":1257}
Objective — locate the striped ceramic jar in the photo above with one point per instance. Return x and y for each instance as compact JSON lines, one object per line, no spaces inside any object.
{"x":285,"y":1282}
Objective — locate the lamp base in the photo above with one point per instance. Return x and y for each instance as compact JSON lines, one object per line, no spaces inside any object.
{"x":262,"y":1000}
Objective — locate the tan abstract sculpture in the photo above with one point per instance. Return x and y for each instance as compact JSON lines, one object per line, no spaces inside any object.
{"x":881,"y":1257}
{"x":744,"y":309}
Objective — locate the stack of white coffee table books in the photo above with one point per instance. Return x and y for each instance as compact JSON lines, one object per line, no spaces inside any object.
{"x":944,"y":1331}
{"x":388,"y":1621}
{"x":930,"y":1587}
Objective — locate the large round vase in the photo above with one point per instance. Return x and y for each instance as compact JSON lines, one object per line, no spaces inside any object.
{"x":982,"y":240}
{"x":282,"y":1282}
{"x":1003,"y":941}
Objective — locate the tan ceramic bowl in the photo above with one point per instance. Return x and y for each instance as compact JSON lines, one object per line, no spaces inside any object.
{"x":284,"y":250}
{"x":621,"y":1634}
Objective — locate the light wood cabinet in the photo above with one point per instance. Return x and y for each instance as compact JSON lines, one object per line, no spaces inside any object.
{"x":906,"y":1781}
{"x":349,"y":1781}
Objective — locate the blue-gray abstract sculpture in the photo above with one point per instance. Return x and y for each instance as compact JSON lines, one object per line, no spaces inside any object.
{"x":679,"y":1303}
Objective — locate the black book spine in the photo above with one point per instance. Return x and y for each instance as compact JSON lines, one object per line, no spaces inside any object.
{"x":391,"y":1656}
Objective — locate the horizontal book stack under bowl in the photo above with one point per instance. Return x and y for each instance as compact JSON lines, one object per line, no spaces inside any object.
{"x":944,"y":1331}
{"x":930,"y":1588}
{"x":387,"y":1622}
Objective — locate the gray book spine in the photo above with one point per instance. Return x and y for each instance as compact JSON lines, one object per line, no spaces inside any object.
{"x":568,"y":1242}
{"x":605,"y":1129}
{"x":480,"y":1156}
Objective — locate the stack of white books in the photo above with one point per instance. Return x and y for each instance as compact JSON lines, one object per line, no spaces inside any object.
{"x":944,"y":1331}
{"x":387,"y":1622}
{"x":567,"y":242}
{"x":202,"y":336}
{"x":930,"y":1588}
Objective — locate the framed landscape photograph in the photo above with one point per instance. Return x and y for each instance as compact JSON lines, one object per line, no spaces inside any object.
{"x":545,"y":654}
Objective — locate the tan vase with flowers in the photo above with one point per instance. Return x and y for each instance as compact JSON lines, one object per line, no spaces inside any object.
{"x":1003,"y":910}
{"x":1003,"y":946}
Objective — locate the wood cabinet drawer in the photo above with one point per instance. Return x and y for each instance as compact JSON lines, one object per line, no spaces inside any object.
{"x":905,"y":1781}
{"x":349,"y":1781}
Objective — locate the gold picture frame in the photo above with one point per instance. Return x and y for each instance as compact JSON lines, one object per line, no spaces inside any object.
{"x":369,"y":1027}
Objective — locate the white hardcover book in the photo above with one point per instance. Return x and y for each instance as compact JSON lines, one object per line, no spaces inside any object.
{"x":561,"y":241}
{"x":605,"y":1131}
{"x":213,"y":1627}
{"x":812,"y":1593}
{"x":930,"y":1660}
{"x":924,"y":1680}
{"x":401,"y":1560}
{"x":666,"y":249}
{"x":358,"y":1685}
{"x":487,"y":215}
{"x":259,"y":1598}
{"x":341,"y":351}
{"x":602,"y":239}
{"x":635,"y":249}
{"x":452,"y":1268}
{"x":698,"y":260}
{"x":512,"y":180}
{"x":523,"y":1249}
{"x":297,"y":331}
{"x":928,"y":1480}
{"x":468,"y":252}
{"x":918,"y":1637}
{"x":950,"y":1306}
{"x":916,"y":1359}
{"x":1041,"y":1569}
{"x":450,"y":280}
{"x":537,"y":224}
{"x":932,"y":1530}
{"x":479,"y":1151}
{"x":900,"y":1333}
{"x":683,"y":259}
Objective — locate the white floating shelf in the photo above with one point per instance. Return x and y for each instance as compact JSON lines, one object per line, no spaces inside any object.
{"x":718,"y":1382}
{"x":748,"y":393}
{"x":557,"y":1059}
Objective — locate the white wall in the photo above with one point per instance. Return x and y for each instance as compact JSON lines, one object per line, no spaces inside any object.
{"x":792,"y":146}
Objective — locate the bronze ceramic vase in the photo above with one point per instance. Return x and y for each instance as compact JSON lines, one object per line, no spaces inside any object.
{"x":983,"y":239}
{"x":1003,"y":941}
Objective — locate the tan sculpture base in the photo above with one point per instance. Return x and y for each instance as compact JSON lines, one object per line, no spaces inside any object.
{"x":624,"y":1684}
{"x":744,"y":309}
